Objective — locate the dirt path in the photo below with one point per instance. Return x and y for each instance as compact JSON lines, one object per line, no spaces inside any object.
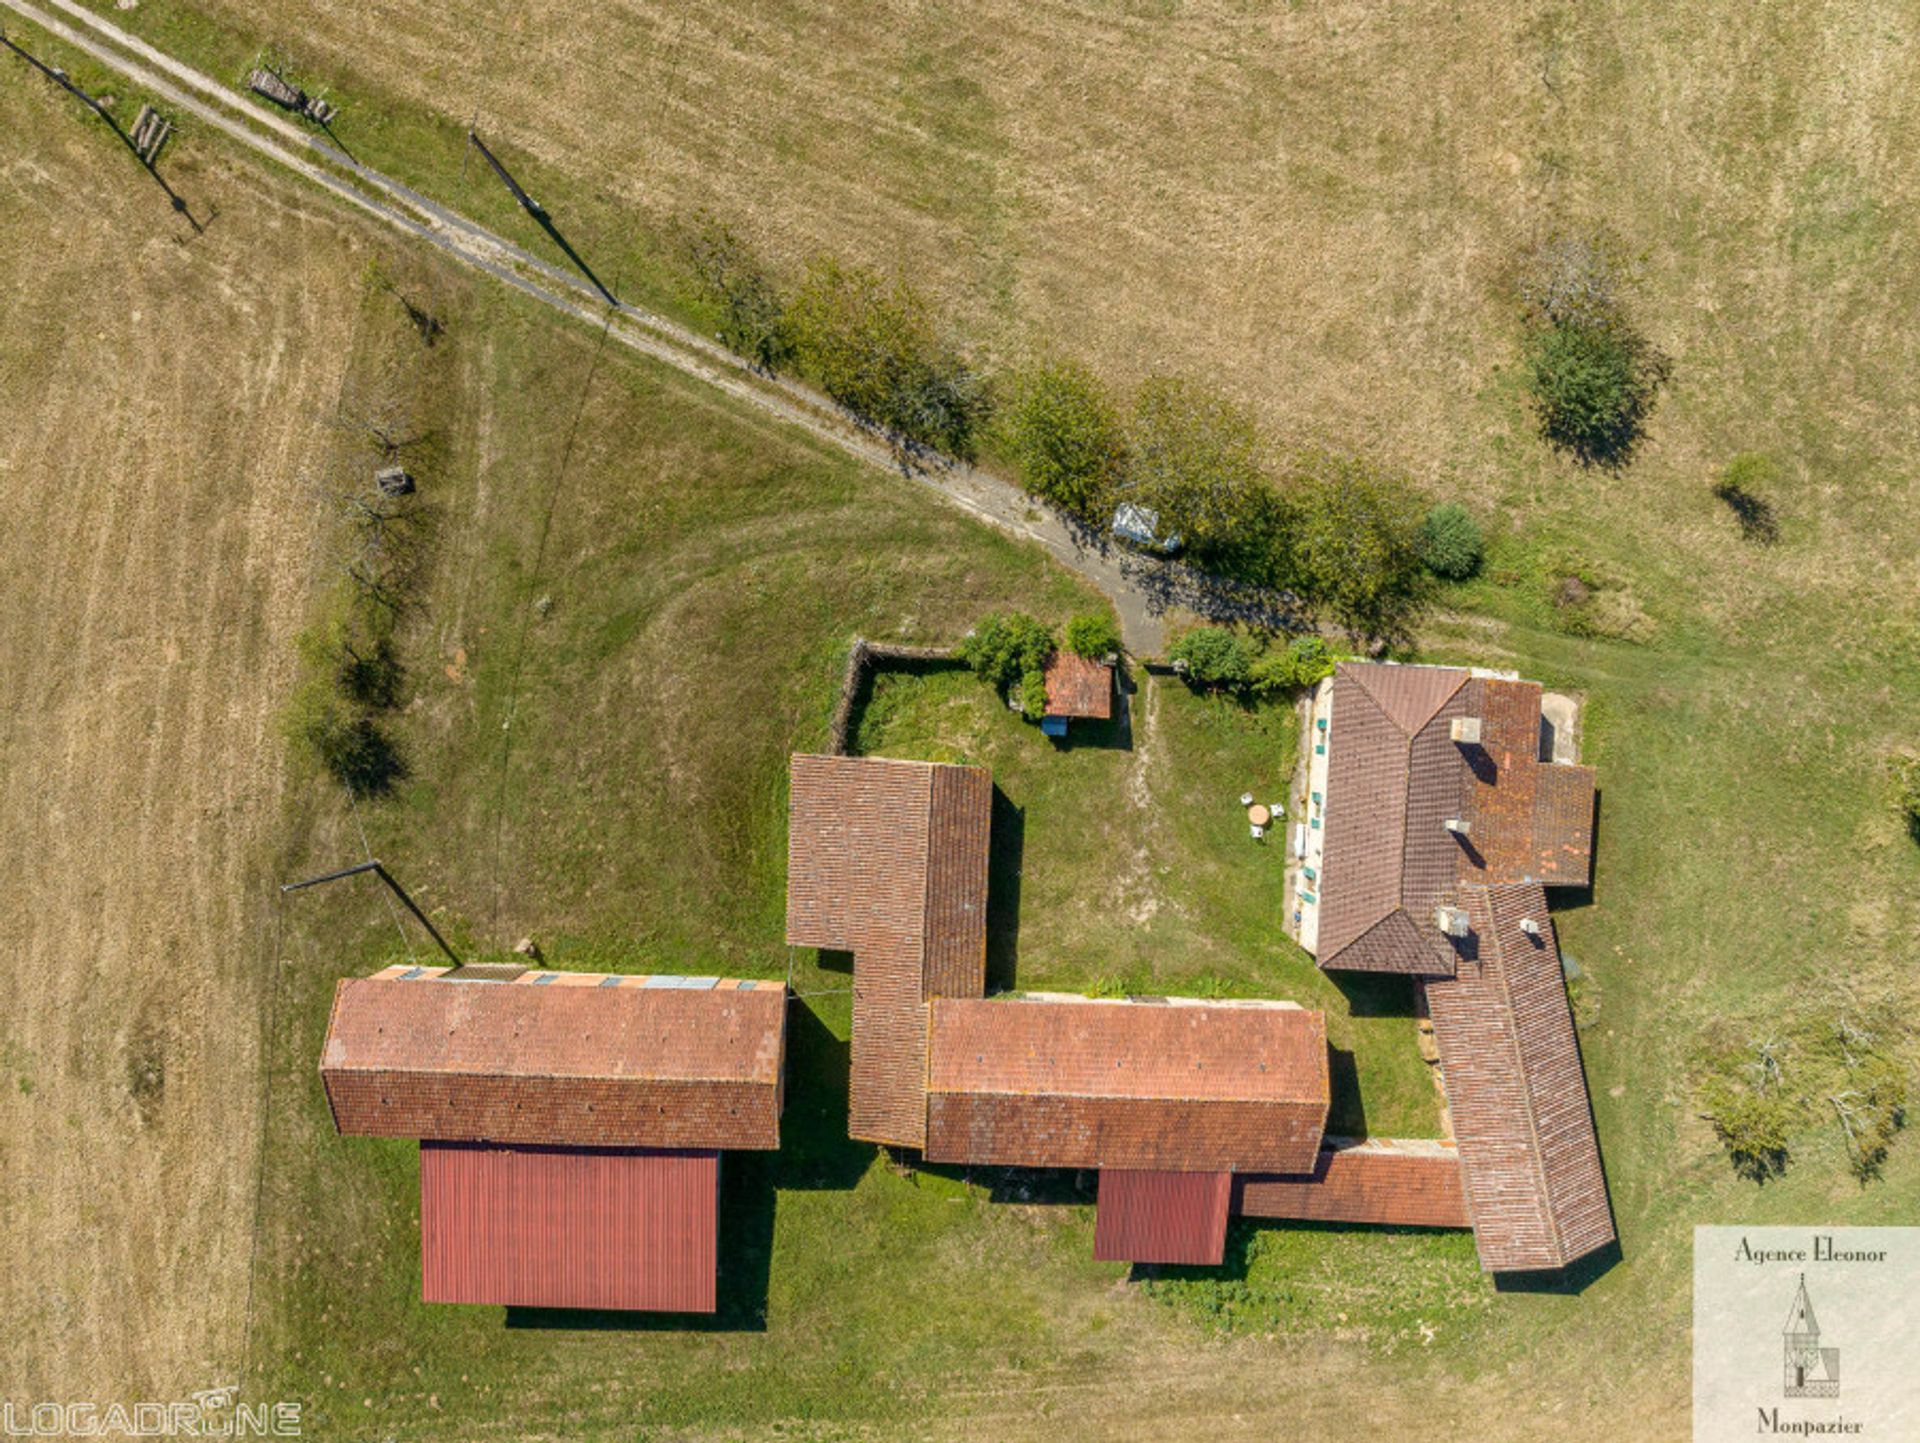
{"x":1143,"y":591}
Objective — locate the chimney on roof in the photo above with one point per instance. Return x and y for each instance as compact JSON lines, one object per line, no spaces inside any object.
{"x":1466,"y":730}
{"x":1452,"y":921}
{"x":1459,"y":826}
{"x":1529,"y":926}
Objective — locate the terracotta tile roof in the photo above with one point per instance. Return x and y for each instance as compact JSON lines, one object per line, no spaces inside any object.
{"x":1563,"y":825}
{"x":551,"y":1227}
{"x":1078,"y":687}
{"x":1500,"y":775}
{"x":1074,"y":1082}
{"x":1390,"y":792}
{"x":1162,"y":1217}
{"x":626,"y":1065}
{"x":1410,"y":1183}
{"x":1528,"y":1154}
{"x":1396,"y":778}
{"x":888,"y":860}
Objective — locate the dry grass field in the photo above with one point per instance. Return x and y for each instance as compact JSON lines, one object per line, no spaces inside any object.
{"x":155,"y":562}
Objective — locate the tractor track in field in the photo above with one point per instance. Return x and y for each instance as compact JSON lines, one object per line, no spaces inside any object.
{"x":1143,"y":590}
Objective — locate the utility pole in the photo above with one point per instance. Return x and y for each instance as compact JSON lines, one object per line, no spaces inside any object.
{"x":384,"y":875}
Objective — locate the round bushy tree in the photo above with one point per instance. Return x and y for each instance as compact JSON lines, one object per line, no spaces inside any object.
{"x":1006,"y":646}
{"x":1593,"y":386}
{"x":1450,"y":543}
{"x":1215,"y":658}
{"x":1064,"y":438}
{"x":1197,"y":459}
{"x":1093,"y":635}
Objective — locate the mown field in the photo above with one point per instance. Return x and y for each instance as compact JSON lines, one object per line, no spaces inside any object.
{"x":637,"y":600}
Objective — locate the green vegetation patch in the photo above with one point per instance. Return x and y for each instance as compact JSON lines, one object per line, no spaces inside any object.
{"x":1389,"y":1288}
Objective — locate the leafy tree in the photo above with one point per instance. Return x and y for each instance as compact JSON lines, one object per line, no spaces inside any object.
{"x":1093,"y":635}
{"x":1305,"y":662}
{"x":871,"y":345}
{"x":1450,"y":543}
{"x":1215,"y":658}
{"x":1593,"y":387}
{"x":1356,"y":538}
{"x":742,"y":290}
{"x":1065,"y":439}
{"x":344,"y":739}
{"x":1005,"y":647}
{"x":1197,"y":459}
{"x":1743,"y":486}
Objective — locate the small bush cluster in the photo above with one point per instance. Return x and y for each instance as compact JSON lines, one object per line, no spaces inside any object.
{"x":1743,"y":486}
{"x":1219,"y":659}
{"x":737,"y":283}
{"x":1450,"y":543}
{"x":1831,"y":1070}
{"x":871,"y":345}
{"x":1009,"y":652}
{"x":1305,"y":661}
{"x":353,"y":677}
{"x":1094,"y":636}
{"x":1592,"y":375}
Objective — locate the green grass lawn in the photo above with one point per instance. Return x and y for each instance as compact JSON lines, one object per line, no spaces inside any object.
{"x":1122,"y":862}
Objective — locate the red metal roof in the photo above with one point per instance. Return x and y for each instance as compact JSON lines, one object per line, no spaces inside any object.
{"x":1413,"y":1183}
{"x":557,"y":1059}
{"x":1162,"y":1217}
{"x":888,"y":860}
{"x":1077,"y":687}
{"x":541,"y":1227}
{"x":1078,"y":1082}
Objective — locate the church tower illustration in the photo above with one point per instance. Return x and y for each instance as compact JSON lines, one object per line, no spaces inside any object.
{"x":1811,"y":1370}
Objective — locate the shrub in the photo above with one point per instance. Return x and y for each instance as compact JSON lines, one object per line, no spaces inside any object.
{"x":1033,"y":695}
{"x":1005,"y":647}
{"x":1871,"y":1109}
{"x":1593,"y":387}
{"x":1575,"y":280}
{"x":1356,"y":540}
{"x":1214,"y":658}
{"x":343,"y":739}
{"x":1196,"y":458}
{"x":871,"y":346}
{"x":1093,"y":636}
{"x":1743,"y":486}
{"x":1306,"y":661}
{"x":355,"y":648}
{"x":1450,"y":543}
{"x":1064,"y":438}
{"x":740,"y":288}
{"x":1754,"y":1127}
